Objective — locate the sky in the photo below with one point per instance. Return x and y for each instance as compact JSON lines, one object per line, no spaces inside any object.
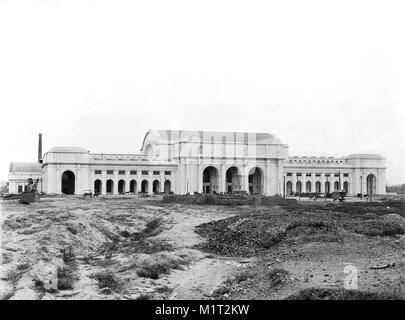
{"x":327,"y":77}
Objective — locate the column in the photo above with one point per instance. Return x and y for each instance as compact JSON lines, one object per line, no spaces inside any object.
{"x":127,"y":180}
{"x":303,"y":182}
{"x":78,"y":188}
{"x":323,"y":183}
{"x":92,"y":180}
{"x":138,"y":181}
{"x":280,"y":176}
{"x":313,"y":182}
{"x":332,"y":182}
{"x":115,"y":184}
{"x":150,"y":182}
{"x":245,"y":179}
{"x":266,"y":180}
{"x":162,"y":182}
{"x":104,"y":182}
{"x":222,"y":178}
{"x":341,"y":181}
{"x":58,"y":180}
{"x":200,"y":177}
{"x":365,"y":191}
{"x":173,"y":185}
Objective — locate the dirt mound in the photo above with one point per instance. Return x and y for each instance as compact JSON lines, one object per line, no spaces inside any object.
{"x":263,"y":282}
{"x":341,"y":294}
{"x":251,"y":234}
{"x":243,"y":235}
{"x":101,"y":236}
{"x":353,"y":208}
{"x":396,"y":218}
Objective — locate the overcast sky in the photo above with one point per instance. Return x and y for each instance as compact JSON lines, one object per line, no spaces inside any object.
{"x":327,"y":77}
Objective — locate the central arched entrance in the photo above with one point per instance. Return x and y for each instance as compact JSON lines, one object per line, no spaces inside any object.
{"x":371,"y":184}
{"x":68,"y":182}
{"x":233,"y":180}
{"x":210,"y":180}
{"x":255,"y":181}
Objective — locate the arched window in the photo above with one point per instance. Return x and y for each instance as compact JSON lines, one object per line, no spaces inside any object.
{"x":98,"y":186}
{"x":110,"y":186}
{"x":327,"y":187}
{"x":298,"y":187}
{"x":156,"y":186}
{"x":346,"y":187}
{"x":121,"y":186}
{"x":132,"y":186}
{"x":144,"y":186}
{"x":308,"y":187}
{"x":336,"y":186}
{"x":289,"y":188}
{"x":167,"y":186}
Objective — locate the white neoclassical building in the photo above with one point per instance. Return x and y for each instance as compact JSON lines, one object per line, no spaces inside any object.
{"x":199,"y":161}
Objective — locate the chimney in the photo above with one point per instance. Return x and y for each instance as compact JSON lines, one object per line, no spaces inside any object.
{"x":40,"y":148}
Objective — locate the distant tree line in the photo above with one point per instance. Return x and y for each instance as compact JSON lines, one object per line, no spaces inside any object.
{"x":4,"y":188}
{"x":398,"y":188}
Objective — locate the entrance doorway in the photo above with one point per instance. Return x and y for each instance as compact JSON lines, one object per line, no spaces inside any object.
{"x":68,"y":182}
{"x":255,"y":181}
{"x":210,"y":179}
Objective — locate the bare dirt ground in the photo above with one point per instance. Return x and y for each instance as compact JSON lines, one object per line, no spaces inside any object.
{"x":107,"y":236}
{"x":141,"y":248}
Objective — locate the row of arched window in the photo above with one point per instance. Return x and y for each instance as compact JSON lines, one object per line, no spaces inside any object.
{"x":308,"y":187}
{"x":133,"y":186}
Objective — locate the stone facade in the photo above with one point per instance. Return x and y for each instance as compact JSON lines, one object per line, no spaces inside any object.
{"x":200,"y":161}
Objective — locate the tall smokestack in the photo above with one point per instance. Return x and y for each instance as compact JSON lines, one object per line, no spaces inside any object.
{"x":40,"y":148}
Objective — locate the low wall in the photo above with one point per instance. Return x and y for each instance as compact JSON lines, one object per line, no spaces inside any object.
{"x":227,"y":200}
